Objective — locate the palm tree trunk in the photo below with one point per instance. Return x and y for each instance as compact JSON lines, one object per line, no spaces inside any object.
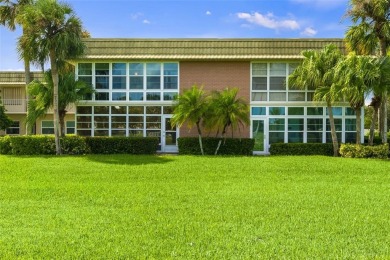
{"x":220,"y":141}
{"x":358,"y":125}
{"x":372,"y":127}
{"x":383,"y":117}
{"x":62,"y":114}
{"x":200,"y":137}
{"x":333,"y":131}
{"x":27,"y":75}
{"x":54,"y":73}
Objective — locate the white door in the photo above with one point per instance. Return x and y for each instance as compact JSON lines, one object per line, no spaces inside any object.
{"x":259,"y":134}
{"x":168,"y":135}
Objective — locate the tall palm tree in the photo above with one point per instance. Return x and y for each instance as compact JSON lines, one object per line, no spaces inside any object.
{"x":53,"y":33}
{"x":227,"y":110}
{"x":317,"y":72}
{"x":370,"y":33}
{"x":190,"y":107}
{"x":9,"y":11}
{"x":72,"y":91}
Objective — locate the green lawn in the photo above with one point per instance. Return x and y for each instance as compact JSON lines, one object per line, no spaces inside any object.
{"x":194,"y":207}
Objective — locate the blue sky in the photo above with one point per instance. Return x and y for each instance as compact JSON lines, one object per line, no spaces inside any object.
{"x":199,"y":19}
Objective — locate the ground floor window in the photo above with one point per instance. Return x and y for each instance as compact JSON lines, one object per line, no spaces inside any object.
{"x":48,"y":127}
{"x":14,"y":129}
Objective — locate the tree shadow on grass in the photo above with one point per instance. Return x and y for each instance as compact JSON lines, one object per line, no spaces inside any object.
{"x":127,"y":159}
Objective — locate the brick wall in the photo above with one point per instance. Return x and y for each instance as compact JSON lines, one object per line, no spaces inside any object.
{"x":216,"y":75}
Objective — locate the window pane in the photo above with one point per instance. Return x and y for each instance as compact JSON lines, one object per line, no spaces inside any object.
{"x":277,"y":111}
{"x":314,"y":124}
{"x":136,"y":110}
{"x":329,"y":137}
{"x":102,"y":110}
{"x":277,"y":96}
{"x":83,"y":132}
{"x":153,"y":96}
{"x":276,"y":137}
{"x":118,"y":110}
{"x":47,"y":124}
{"x":153,"y":122}
{"x":84,"y":121}
{"x":349,"y":111}
{"x":102,"y":69}
{"x":101,"y":121}
{"x":136,"y":69}
{"x":119,"y":69}
{"x":170,"y":82}
{"x":136,"y":122}
{"x":314,"y":111}
{"x":259,"y":96}
{"x":118,"y":122}
{"x":136,"y":96}
{"x":277,"y":83}
{"x":337,"y":111}
{"x":85,"y":69}
{"x":119,"y":96}
{"x":136,"y":133}
{"x":337,"y":122}
{"x":350,"y":137}
{"x":170,"y":69}
{"x":259,"y":69}
{"x":153,"y":69}
{"x":153,"y":82}
{"x":295,"y":137}
{"x":101,"y":132}
{"x":136,"y":82}
{"x":314,"y":137}
{"x":296,"y":96}
{"x":170,"y":95}
{"x":70,"y":124}
{"x":102,"y":83}
{"x":276,"y":124}
{"x":295,"y":124}
{"x":47,"y":131}
{"x":350,"y":124}
{"x":259,"y":83}
{"x":84,"y":110}
{"x":118,"y":132}
{"x":295,"y":110}
{"x":153,"y":110}
{"x":278,"y":69}
{"x":258,"y":111}
{"x":292,"y":67}
{"x":119,"y":82}
{"x":86,"y":79}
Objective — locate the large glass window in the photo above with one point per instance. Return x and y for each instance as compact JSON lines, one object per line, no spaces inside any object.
{"x":14,"y":129}
{"x":276,"y":130}
{"x":47,"y":127}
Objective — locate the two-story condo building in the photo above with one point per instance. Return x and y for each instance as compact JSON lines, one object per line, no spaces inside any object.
{"x":136,"y":81}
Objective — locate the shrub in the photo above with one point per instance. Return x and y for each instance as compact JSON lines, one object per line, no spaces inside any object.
{"x":230,"y":146}
{"x":363,"y":151}
{"x":301,"y":149}
{"x":73,"y":144}
{"x":126,"y":145}
{"x":5,"y":145}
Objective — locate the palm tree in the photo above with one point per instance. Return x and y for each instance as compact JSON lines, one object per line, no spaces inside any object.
{"x":355,"y":76}
{"x":227,"y":110}
{"x":5,"y":121}
{"x":371,"y":32}
{"x":9,"y":11}
{"x":72,"y":91}
{"x":53,"y":33}
{"x":317,"y":72}
{"x":190,"y":107}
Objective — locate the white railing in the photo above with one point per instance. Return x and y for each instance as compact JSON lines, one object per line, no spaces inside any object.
{"x":14,"y":105}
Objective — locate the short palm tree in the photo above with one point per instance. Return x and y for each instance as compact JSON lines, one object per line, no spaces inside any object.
{"x":227,"y":110}
{"x":55,"y":41}
{"x":5,"y":121}
{"x":190,"y":107}
{"x":317,"y":72}
{"x":71,"y":92}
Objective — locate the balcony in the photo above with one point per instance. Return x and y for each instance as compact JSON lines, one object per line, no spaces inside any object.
{"x":14,"y":105}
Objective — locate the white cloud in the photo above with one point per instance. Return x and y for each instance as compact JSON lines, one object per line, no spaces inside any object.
{"x":146,"y":21}
{"x":269,"y":21}
{"x":208,"y":13}
{"x":136,"y":16}
{"x":309,"y":31}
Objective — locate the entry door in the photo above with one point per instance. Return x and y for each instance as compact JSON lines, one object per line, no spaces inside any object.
{"x":169,"y":135}
{"x":258,"y":133}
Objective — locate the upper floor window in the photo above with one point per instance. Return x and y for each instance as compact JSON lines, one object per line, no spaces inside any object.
{"x":133,"y":81}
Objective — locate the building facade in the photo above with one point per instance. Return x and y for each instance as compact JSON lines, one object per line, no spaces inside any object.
{"x":136,"y":80}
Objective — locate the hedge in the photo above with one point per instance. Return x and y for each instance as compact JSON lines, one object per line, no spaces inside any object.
{"x":229,"y":146}
{"x":301,"y":149}
{"x":127,"y":145}
{"x":44,"y":144}
{"x":364,"y":151}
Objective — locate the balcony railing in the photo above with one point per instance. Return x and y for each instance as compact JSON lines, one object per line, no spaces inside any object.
{"x":20,"y":106}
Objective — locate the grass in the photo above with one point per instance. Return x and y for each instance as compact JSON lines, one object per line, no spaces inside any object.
{"x":193,"y":207}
